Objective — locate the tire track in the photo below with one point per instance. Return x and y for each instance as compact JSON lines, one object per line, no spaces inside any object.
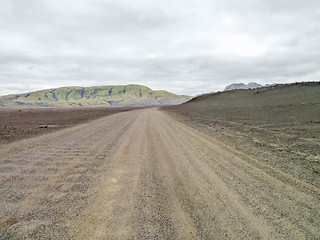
{"x":143,"y":175}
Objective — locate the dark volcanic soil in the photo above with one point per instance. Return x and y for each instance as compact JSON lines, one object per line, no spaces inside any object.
{"x":279,"y":125}
{"x":17,"y":124}
{"x":144,"y":175}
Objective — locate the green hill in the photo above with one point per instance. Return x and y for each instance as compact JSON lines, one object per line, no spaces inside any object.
{"x":120,"y":95}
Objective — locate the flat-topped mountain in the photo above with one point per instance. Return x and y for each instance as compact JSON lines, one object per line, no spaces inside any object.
{"x":119,"y":95}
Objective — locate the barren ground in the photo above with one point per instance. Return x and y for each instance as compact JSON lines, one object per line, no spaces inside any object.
{"x":17,"y":124}
{"x":143,"y":175}
{"x":279,"y":126}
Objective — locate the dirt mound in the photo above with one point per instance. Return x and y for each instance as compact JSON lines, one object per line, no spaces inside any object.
{"x":279,"y":124}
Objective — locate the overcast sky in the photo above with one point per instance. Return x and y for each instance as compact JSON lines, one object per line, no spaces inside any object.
{"x":183,"y":46}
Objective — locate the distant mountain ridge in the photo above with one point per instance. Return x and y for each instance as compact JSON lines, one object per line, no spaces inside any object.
{"x":118,"y":95}
{"x":250,"y":85}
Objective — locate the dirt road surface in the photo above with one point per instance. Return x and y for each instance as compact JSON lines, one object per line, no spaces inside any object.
{"x":143,"y":175}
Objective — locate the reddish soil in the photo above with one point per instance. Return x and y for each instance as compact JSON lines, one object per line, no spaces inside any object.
{"x":17,"y":124}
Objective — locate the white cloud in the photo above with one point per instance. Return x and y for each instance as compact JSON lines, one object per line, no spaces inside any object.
{"x":188,"y":46}
{"x":241,"y":45}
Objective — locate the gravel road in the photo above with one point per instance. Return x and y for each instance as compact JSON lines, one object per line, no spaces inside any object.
{"x":144,"y":175}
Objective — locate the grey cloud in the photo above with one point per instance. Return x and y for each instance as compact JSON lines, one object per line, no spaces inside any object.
{"x":188,"y":47}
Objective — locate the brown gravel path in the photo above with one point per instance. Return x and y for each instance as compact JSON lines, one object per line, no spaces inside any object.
{"x":143,"y":175}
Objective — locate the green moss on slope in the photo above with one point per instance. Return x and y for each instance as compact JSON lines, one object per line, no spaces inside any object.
{"x":93,"y":96}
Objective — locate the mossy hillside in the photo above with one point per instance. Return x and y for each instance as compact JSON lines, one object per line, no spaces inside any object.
{"x":93,"y":96}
